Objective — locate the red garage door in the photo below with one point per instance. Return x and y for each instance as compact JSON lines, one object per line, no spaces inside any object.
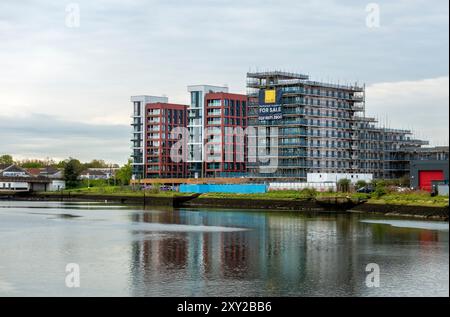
{"x":426,"y":177}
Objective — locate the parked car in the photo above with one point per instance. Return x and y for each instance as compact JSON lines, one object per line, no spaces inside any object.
{"x":366,"y":190}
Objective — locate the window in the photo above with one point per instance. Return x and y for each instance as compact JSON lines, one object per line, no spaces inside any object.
{"x":137,"y":108}
{"x":195,"y":99}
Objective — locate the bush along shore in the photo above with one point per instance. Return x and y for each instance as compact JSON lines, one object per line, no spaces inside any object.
{"x":411,"y":204}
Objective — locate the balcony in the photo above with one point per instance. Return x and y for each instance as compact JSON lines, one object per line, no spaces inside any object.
{"x":357,"y":98}
{"x":357,"y":108}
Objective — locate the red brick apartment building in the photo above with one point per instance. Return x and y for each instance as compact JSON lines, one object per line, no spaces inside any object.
{"x":161,"y":119}
{"x":225,"y":152}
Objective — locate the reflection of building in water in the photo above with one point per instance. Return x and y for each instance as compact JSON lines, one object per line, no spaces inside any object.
{"x":156,"y":252}
{"x":173,"y":252}
{"x":279,"y":254}
{"x":330,"y":260}
{"x":236,"y":252}
{"x":194,"y":256}
{"x":280,"y":251}
{"x":283,"y":258}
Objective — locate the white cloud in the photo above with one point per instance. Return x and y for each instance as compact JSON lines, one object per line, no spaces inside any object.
{"x":40,"y":136}
{"x":156,"y":47}
{"x":421,"y":105}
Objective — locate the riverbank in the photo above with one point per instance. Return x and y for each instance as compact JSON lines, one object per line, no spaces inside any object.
{"x":422,"y":212}
{"x":166,"y":199}
{"x":409,"y":205}
{"x":325,"y":205}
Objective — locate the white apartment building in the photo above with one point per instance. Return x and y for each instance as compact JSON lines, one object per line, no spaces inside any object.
{"x":196,"y":126}
{"x":139,"y":126}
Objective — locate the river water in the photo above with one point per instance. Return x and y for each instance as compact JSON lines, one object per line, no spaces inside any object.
{"x":128,"y":251}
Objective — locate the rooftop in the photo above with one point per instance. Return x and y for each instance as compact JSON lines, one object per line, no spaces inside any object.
{"x":278,"y":74}
{"x":285,"y":78}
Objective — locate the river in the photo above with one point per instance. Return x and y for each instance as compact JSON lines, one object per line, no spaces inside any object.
{"x":128,"y":251}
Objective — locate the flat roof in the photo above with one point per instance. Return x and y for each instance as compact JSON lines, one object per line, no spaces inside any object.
{"x":279,"y":74}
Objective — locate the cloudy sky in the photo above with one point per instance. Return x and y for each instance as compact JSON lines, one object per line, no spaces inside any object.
{"x":65,"y":86}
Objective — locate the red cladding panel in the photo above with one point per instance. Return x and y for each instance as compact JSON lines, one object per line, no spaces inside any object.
{"x":426,"y":177}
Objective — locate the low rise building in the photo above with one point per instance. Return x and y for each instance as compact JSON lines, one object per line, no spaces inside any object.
{"x":429,"y":168}
{"x":93,"y":174}
{"x":16,"y":179}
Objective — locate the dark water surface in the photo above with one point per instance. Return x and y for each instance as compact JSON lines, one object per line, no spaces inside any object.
{"x":126,"y":251}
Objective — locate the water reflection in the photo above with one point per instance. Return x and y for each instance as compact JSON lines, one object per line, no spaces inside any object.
{"x":191,"y":252}
{"x":279,"y":254}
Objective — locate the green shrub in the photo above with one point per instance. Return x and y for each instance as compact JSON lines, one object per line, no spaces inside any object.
{"x":360,"y":184}
{"x":380,"y":189}
{"x":344,"y":185}
{"x":93,"y":183}
{"x":309,"y":193}
{"x":155,"y":188}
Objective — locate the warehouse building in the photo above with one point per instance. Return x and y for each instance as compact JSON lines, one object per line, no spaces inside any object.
{"x":429,"y":167}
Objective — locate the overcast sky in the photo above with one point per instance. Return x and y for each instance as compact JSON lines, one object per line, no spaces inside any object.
{"x":64,"y":90}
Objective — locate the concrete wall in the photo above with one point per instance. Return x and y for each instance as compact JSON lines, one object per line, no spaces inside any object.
{"x":328,"y":177}
{"x":57,"y":185}
{"x":39,"y":187}
{"x":322,"y":187}
{"x":443,"y":190}
{"x":14,"y":186}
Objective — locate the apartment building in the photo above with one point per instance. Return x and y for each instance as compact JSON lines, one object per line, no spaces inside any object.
{"x":138,"y":131}
{"x":386,"y":153}
{"x":154,"y":119}
{"x":196,"y":126}
{"x":321,"y":128}
{"x":161,"y":120}
{"x":225,"y":122}
{"x":302,"y":127}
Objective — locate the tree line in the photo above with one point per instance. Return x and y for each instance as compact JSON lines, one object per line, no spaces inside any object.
{"x":38,"y":163}
{"x":72,"y":168}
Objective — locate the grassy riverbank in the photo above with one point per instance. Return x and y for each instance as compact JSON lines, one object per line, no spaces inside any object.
{"x":411,"y":199}
{"x":285,"y":195}
{"x":115,"y":191}
{"x":403,"y":199}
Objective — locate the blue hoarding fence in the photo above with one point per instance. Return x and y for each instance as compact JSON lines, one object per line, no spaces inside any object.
{"x":224,"y":188}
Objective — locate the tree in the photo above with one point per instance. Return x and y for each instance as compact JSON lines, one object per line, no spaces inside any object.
{"x":96,"y":164}
{"x":124,"y":173}
{"x":31,"y":164}
{"x":361,"y":183}
{"x":72,"y":171}
{"x":344,"y":185}
{"x":36,"y":163}
{"x":61,"y":164}
{"x":6,"y":159}
{"x":380,"y":188}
